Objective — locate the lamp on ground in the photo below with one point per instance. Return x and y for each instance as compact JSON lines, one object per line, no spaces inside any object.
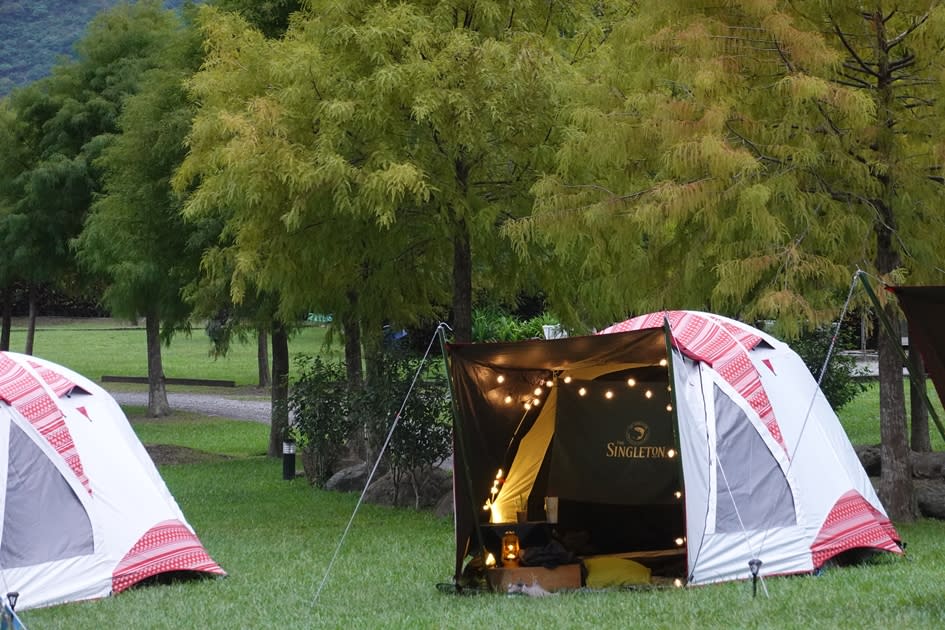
{"x":510,"y":549}
{"x":288,"y":459}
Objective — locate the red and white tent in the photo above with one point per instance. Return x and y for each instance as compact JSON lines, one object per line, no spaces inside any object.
{"x":85,"y":513}
{"x":675,"y":435}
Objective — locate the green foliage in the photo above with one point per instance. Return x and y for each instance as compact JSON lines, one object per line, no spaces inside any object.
{"x":416,"y":396}
{"x":319,"y":401}
{"x":745,"y":158}
{"x":134,"y":235}
{"x":843,"y":381}
{"x":493,"y":324}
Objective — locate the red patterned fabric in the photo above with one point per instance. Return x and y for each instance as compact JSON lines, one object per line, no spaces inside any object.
{"x":26,"y":394}
{"x":56,"y":381}
{"x":853,"y":523}
{"x":722,"y":345}
{"x":168,"y":546}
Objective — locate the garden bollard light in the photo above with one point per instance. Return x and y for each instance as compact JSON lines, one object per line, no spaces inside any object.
{"x":288,"y":460}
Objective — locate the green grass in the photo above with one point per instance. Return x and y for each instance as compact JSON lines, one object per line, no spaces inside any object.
{"x":275,"y":538}
{"x":860,"y":417}
{"x":96,"y":347}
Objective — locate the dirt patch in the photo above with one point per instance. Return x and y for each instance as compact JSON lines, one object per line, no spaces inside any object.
{"x":162,"y":454}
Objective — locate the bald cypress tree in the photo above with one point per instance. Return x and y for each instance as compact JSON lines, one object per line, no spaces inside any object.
{"x":747,"y":157}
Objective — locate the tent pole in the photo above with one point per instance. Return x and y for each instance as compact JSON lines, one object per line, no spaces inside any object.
{"x":461,"y":444}
{"x":911,"y":361}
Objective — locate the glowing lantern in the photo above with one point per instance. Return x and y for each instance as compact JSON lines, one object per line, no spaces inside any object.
{"x":510,"y":549}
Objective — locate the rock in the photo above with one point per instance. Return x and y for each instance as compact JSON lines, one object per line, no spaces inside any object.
{"x":924,"y":465}
{"x":444,"y":507}
{"x":928,"y":465}
{"x":870,"y":458}
{"x":930,"y":494}
{"x":350,"y":479}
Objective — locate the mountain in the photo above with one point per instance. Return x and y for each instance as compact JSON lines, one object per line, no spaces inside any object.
{"x":34,"y":34}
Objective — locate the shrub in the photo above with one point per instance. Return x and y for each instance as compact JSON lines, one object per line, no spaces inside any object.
{"x":841,"y":383}
{"x":320,"y":402}
{"x":492,"y":324}
{"x":423,"y":438}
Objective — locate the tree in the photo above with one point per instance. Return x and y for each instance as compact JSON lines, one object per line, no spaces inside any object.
{"x":134,"y":234}
{"x":60,"y":126}
{"x":379,"y":147}
{"x":747,"y":158}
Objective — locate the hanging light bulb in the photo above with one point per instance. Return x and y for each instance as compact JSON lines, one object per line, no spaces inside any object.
{"x":678,"y":494}
{"x":500,"y":379}
{"x":582,"y":391}
{"x":549,"y":383}
{"x":680,"y":541}
{"x":608,"y":394}
{"x":538,"y":391}
{"x":527,"y":406}
{"x":536,"y":402}
{"x":648,"y":393}
{"x":671,"y":453}
{"x":632,"y":382}
{"x":508,"y":400}
{"x":669,"y":407}
{"x":567,"y":379}
{"x":662,"y":362}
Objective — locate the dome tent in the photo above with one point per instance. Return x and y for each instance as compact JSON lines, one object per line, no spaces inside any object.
{"x":85,"y":513}
{"x":676,"y":435}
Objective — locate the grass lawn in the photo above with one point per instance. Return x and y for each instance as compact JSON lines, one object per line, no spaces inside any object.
{"x":99,"y":346}
{"x":276,"y":538}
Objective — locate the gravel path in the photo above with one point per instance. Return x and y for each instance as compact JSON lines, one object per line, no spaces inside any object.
{"x":207,"y":404}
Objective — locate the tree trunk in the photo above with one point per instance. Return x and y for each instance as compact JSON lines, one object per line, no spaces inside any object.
{"x":262,"y":357}
{"x":920,"y":440}
{"x":895,"y":487}
{"x":279,"y":419}
{"x":462,"y":283}
{"x":359,"y":440}
{"x":158,"y":406}
{"x":31,"y":326}
{"x":6,"y":314}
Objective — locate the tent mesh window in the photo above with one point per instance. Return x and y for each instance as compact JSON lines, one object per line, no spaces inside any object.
{"x":752,"y":491}
{"x":43,"y":518}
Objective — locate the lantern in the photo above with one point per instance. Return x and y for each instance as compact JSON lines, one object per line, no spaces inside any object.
{"x":510,"y":549}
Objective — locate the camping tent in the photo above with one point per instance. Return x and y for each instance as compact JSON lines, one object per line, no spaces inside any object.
{"x":85,"y":512}
{"x":688,"y":441}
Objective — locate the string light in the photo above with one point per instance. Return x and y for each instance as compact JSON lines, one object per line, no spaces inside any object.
{"x":500,"y":378}
{"x":632,"y":382}
{"x":677,"y":583}
{"x":649,"y":393}
{"x":567,"y":379}
{"x":669,"y":407}
{"x":549,"y":383}
{"x":582,"y":391}
{"x":527,"y":406}
{"x":680,"y":542}
{"x":662,"y":362}
{"x":538,"y":391}
{"x":678,"y":494}
{"x":508,"y":400}
{"x":671,"y":453}
{"x":536,"y":402}
{"x":608,"y":394}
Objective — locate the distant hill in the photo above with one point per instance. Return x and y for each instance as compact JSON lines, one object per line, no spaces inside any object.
{"x":34,"y":34}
